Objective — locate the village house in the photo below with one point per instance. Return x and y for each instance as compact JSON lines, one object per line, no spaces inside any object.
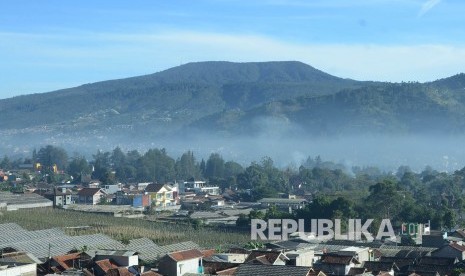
{"x":379,"y":267}
{"x":71,"y":261}
{"x":102,"y":267}
{"x":121,"y":257}
{"x":135,"y":200}
{"x":199,"y":187}
{"x":335,"y":264}
{"x":142,"y":186}
{"x":91,"y":196}
{"x":267,"y":257}
{"x":112,"y":188}
{"x":181,"y":262}
{"x":251,"y":269}
{"x":18,"y":263}
{"x":161,"y":195}
{"x":60,"y":197}
{"x":300,"y":257}
{"x":452,"y":250}
{"x":288,"y":204}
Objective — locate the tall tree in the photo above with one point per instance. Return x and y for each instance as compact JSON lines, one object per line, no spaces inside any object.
{"x":78,"y":166}
{"x":215,"y":166}
{"x":50,"y":155}
{"x":5,"y":164}
{"x":101,"y":166}
{"x":156,"y":165}
{"x":187,"y":167}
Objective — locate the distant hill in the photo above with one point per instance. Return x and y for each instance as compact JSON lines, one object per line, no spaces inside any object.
{"x":236,"y":98}
{"x":405,"y":108}
{"x":179,"y":95}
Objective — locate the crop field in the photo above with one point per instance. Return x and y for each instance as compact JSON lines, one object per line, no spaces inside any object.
{"x":122,"y":229}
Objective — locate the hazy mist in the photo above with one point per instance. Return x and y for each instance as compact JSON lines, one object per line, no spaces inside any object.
{"x":388,"y":152}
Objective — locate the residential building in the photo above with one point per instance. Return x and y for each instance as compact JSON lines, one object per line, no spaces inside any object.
{"x":112,"y":188}
{"x":452,"y":250}
{"x":288,"y":204}
{"x":336,"y":264}
{"x":18,"y":263}
{"x":301,"y":257}
{"x":142,"y":186}
{"x":362,"y":254}
{"x":181,"y":262}
{"x":60,"y":197}
{"x":72,"y":261}
{"x":161,"y":195}
{"x":268,"y":270}
{"x":379,"y":267}
{"x":90,"y":196}
{"x":101,"y":267}
{"x":199,"y":187}
{"x":267,"y":257}
{"x":135,"y":200}
{"x":121,"y":257}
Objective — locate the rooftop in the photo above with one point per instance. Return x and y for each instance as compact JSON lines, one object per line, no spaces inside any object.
{"x":26,"y":198}
{"x":185,"y":255}
{"x":271,"y":270}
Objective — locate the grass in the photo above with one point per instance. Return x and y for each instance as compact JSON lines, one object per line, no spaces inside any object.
{"x":122,"y":229}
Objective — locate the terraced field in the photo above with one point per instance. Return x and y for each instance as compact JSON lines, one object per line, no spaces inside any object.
{"x":121,"y":229}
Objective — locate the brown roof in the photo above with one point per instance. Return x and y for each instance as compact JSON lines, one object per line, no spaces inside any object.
{"x":119,"y":271}
{"x":89,"y":191}
{"x":185,"y":255}
{"x":229,"y":271}
{"x":150,"y":273}
{"x":260,"y":260}
{"x":65,"y":262}
{"x":460,"y":233}
{"x":264,"y":257}
{"x":208,"y":252}
{"x":154,"y":187}
{"x":271,"y":270}
{"x":215,"y":267}
{"x":457,"y":246}
{"x":338,"y":259}
{"x":314,"y":272}
{"x":356,"y":271}
{"x":106,"y":264}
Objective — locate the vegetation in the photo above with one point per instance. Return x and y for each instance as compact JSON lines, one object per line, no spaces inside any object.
{"x":123,"y":229}
{"x":335,"y":191}
{"x":183,"y":94}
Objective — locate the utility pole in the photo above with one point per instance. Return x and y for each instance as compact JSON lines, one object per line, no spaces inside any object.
{"x":49,"y":256}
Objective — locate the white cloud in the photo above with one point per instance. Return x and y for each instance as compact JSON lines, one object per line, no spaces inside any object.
{"x":427,"y":6}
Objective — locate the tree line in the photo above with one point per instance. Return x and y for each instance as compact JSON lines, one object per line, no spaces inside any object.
{"x":333,"y":190}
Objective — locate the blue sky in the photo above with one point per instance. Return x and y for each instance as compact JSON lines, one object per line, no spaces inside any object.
{"x":53,"y":44}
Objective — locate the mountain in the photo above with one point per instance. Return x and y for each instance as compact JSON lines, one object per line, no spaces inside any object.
{"x":233,"y":99}
{"x":179,"y":95}
{"x":388,"y":108}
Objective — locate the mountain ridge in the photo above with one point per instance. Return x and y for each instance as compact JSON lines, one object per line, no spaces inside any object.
{"x":236,"y":99}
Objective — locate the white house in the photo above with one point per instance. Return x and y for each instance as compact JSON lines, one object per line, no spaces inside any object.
{"x":181,"y":262}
